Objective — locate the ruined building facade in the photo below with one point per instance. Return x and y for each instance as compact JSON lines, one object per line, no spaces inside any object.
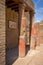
{"x":16,"y":22}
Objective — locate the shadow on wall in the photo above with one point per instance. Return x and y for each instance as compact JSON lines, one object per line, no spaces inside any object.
{"x":11,"y":35}
{"x":27,"y":48}
{"x":11,"y":55}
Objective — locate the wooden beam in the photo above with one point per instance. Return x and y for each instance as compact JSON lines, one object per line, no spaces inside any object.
{"x":15,"y":8}
{"x":12,"y":5}
{"x":9,"y":2}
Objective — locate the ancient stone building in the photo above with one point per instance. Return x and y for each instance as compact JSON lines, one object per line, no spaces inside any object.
{"x":16,"y":21}
{"x":39,"y":27}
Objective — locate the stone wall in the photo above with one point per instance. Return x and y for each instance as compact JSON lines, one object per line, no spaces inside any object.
{"x":11,"y":29}
{"x":39,"y":27}
{"x":2,"y":32}
{"x":41,"y":32}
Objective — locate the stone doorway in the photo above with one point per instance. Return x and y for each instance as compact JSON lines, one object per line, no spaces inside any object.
{"x":12,"y":35}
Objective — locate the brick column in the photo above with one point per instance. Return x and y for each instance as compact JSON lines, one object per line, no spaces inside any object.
{"x":22,"y":30}
{"x":2,"y":32}
{"x":32,"y":43}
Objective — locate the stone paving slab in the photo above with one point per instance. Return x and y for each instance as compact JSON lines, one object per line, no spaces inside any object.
{"x":34,"y":57}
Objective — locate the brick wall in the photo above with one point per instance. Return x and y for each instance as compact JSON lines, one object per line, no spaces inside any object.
{"x":2,"y":32}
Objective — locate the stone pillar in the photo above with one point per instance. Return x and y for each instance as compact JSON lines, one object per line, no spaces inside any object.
{"x":32,"y":43}
{"x":2,"y":32}
{"x":22,"y":30}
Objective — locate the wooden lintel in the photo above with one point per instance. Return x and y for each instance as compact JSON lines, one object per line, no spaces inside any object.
{"x":16,"y":8}
{"x":9,"y":2}
{"x":12,"y":5}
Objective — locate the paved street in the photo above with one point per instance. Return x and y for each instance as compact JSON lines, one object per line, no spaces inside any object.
{"x":33,"y":57}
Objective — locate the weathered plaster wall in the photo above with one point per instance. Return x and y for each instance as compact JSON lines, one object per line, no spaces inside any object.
{"x":12,"y":33}
{"x":27,"y":15}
